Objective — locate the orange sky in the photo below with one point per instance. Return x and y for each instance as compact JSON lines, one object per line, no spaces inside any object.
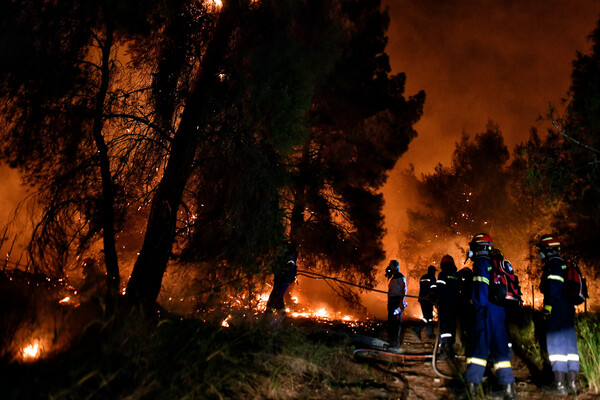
{"x":477,"y":60}
{"x":487,"y":59}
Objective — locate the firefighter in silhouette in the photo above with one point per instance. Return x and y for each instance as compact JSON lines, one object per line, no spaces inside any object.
{"x":561,"y":341}
{"x":446,"y":293}
{"x":427,"y":287}
{"x":464,"y":306}
{"x":396,"y":302}
{"x":284,"y":274}
{"x":488,"y":332}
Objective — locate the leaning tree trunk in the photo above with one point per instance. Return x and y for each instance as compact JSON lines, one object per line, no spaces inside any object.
{"x":146,"y":278}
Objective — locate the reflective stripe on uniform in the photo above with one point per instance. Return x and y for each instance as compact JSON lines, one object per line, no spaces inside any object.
{"x":502,"y":364}
{"x":481,"y":279}
{"x":558,"y":357}
{"x":573,"y":357}
{"x":444,"y":282}
{"x":556,"y":278}
{"x":478,"y":361}
{"x":445,"y":335}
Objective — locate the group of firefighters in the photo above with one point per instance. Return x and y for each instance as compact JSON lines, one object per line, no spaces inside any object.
{"x":465,"y":296}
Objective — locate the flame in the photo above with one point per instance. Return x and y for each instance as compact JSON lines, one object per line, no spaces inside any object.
{"x":65,"y":300}
{"x":31,"y":352}
{"x":225,"y":322}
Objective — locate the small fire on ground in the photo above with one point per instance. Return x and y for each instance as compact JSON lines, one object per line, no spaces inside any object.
{"x":299,"y":310}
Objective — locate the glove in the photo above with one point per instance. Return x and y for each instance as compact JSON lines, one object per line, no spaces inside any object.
{"x":547,"y":312}
{"x":397,"y":311}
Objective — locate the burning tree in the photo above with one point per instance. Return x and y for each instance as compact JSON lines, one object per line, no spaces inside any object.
{"x":479,"y":192}
{"x":361,"y":125}
{"x":192,"y":118}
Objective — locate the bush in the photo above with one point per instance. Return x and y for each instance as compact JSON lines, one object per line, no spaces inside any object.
{"x":527,"y":335}
{"x":588,"y":342}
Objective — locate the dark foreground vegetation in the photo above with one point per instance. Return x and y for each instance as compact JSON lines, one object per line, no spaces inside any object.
{"x":175,"y":358}
{"x":127,"y":356}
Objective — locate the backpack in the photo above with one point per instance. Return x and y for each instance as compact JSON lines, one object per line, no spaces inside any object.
{"x":575,"y":288}
{"x":504,"y":284}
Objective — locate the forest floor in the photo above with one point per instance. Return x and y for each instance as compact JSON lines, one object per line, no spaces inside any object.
{"x":405,"y":378}
{"x":251,"y":357}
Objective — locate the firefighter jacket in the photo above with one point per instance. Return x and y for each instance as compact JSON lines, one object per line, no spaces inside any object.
{"x":561,"y":340}
{"x":482,"y":268}
{"x":397,"y":288}
{"x":447,"y":285}
{"x":553,"y":281}
{"x":285,"y":270}
{"x":427,"y":285}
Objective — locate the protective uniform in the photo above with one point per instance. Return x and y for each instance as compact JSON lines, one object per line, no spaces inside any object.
{"x":427,"y":286}
{"x":396,"y":302}
{"x":464,"y":306}
{"x":561,"y":340}
{"x":284,"y":274}
{"x":446,"y":293}
{"x":488,"y":332}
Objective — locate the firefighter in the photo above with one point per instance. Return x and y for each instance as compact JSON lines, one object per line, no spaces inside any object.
{"x":464,"y":305}
{"x":488,"y":334}
{"x":561,"y":341}
{"x":396,"y":302}
{"x":446,"y":294}
{"x":497,"y":257}
{"x":427,"y":287}
{"x":284,"y":274}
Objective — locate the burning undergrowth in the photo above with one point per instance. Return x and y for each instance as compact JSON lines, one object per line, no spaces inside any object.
{"x":42,"y":317}
{"x":191,"y":294}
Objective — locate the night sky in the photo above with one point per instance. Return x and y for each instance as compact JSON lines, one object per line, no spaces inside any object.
{"x":485,"y":59}
{"x":476,"y":60}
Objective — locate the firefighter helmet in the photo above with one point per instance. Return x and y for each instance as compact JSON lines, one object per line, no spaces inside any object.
{"x":549,"y":242}
{"x":481,"y":239}
{"x":447,"y":259}
{"x":392,"y":268}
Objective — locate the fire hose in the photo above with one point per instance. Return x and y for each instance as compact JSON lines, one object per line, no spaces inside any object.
{"x":314,"y":275}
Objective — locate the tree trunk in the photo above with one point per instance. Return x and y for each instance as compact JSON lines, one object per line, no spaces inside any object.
{"x":108,"y":212}
{"x":146,"y":278}
{"x":299,"y":198}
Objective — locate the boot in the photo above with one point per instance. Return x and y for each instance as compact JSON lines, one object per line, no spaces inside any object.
{"x":473,"y":390}
{"x":505,"y":392}
{"x":509,"y":392}
{"x":572,"y":382}
{"x":558,"y":386}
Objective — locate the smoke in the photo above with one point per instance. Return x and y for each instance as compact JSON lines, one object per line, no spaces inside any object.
{"x":12,"y":193}
{"x":500,"y":60}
